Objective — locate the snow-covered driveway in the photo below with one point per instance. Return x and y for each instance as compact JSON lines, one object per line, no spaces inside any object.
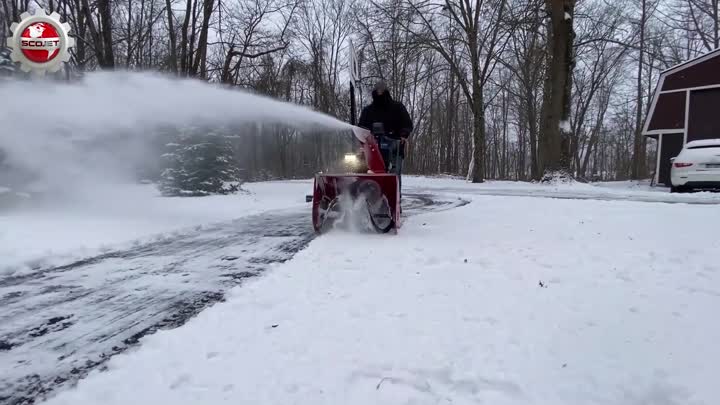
{"x":59,"y":323}
{"x":507,"y":300}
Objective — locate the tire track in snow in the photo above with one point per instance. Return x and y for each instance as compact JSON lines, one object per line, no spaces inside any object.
{"x":60,"y":323}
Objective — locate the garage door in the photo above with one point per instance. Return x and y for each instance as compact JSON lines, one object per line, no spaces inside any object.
{"x":671,"y":145}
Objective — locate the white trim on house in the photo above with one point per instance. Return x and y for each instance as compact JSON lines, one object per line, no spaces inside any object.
{"x":669,"y":132}
{"x":671,"y":91}
{"x":665,"y":131}
{"x":687,"y":115}
{"x":654,"y":103}
{"x":658,"y":158}
{"x":708,"y":87}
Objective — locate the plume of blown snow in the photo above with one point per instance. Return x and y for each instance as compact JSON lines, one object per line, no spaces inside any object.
{"x":45,"y":124}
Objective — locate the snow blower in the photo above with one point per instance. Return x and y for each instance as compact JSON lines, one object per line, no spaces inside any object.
{"x":370,"y":190}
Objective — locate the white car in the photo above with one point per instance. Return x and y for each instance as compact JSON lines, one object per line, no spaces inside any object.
{"x":697,"y":166}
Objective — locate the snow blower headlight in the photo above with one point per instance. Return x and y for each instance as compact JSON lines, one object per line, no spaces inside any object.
{"x":351,"y":159}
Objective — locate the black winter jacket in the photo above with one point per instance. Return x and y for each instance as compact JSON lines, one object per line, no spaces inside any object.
{"x":391,"y":113}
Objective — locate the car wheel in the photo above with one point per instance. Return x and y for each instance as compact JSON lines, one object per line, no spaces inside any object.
{"x":676,"y":189}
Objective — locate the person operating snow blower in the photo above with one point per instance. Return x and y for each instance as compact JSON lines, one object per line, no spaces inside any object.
{"x":389,"y":118}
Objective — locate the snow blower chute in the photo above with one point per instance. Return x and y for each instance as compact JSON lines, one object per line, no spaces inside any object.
{"x":371,"y":191}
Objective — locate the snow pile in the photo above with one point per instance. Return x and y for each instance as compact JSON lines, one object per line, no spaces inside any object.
{"x":504,"y":301}
{"x":565,"y":125}
{"x":125,"y":215}
{"x":558,"y":178}
{"x":640,"y":185}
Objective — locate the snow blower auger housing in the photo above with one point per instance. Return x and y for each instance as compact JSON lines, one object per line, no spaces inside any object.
{"x":372,"y":194}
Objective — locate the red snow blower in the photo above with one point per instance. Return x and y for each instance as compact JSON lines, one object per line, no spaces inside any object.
{"x":370,"y":192}
{"x":369,"y":189}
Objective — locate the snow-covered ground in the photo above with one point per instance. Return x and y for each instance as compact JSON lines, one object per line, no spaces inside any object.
{"x":55,"y":233}
{"x":58,"y":232}
{"x":507,"y":300}
{"x":616,"y":190}
{"x":59,"y":323}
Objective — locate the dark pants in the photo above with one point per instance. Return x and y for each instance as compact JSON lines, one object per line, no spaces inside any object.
{"x":395,"y":156}
{"x":398,"y":171}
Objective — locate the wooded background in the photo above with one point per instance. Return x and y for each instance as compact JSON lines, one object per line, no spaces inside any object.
{"x":497,"y":89}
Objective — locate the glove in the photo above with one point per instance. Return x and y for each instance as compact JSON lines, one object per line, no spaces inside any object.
{"x":404,"y":134}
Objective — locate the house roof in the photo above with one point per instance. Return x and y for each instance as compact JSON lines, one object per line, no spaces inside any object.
{"x":670,"y":83}
{"x":690,"y":62}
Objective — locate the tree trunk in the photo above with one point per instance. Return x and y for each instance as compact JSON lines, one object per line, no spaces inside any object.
{"x":639,"y":165}
{"x":94,"y":34}
{"x":184,"y":39}
{"x":81,"y":32}
{"x":129,"y":35}
{"x":201,"y":56}
{"x":106,"y":21}
{"x":191,"y":44}
{"x":555,"y":137}
{"x":449,"y":137}
{"x":478,"y":140}
{"x":173,"y":38}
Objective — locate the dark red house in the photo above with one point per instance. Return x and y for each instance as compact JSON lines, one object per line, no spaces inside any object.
{"x":685,"y":107}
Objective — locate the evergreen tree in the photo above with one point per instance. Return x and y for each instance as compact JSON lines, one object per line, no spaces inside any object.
{"x":199,"y":163}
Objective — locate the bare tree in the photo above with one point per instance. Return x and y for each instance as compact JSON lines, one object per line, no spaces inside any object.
{"x":639,"y":169}
{"x":251,"y":38}
{"x":495,"y":88}
{"x":485,"y":33}
{"x":173,"y":37}
{"x":555,"y":140}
